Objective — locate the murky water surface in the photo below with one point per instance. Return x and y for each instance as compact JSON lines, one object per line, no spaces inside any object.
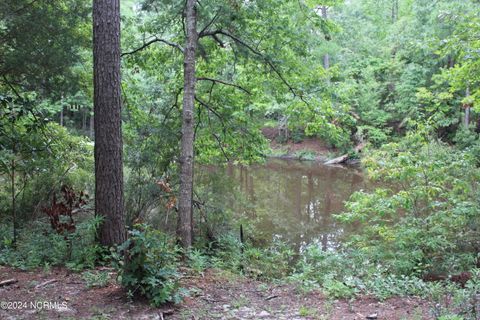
{"x":286,"y":199}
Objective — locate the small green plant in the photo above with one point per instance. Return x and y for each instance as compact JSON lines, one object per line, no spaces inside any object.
{"x":338,"y":290}
{"x":98,"y":279}
{"x":453,"y":302}
{"x":197,"y":260}
{"x":241,"y":301}
{"x":306,"y":312}
{"x":306,"y":155}
{"x":147,"y":265}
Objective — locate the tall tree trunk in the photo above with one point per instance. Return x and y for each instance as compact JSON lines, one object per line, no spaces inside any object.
{"x":185,"y":227}
{"x":108,"y":122}
{"x":326,"y":57}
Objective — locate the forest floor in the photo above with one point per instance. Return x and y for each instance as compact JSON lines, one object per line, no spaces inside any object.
{"x":60,"y":294}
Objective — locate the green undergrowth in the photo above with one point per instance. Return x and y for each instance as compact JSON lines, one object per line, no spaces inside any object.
{"x":150,"y":264}
{"x":39,"y":246}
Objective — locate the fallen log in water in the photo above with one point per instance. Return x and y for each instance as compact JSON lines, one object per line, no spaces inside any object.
{"x":345,"y":157}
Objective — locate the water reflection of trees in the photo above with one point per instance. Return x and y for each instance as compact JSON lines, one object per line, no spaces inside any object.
{"x":290,"y":200}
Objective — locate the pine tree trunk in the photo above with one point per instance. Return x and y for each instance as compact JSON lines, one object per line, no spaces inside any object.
{"x":185,"y":227}
{"x":107,"y":121}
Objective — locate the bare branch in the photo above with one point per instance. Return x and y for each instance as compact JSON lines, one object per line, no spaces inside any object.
{"x":225,"y":83}
{"x":210,"y":109}
{"x":211,"y":21}
{"x":219,"y":142}
{"x":146,"y":44}
{"x":174,"y":105}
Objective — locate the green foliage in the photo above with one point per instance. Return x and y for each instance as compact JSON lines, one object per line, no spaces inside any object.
{"x":97,"y":279}
{"x":41,"y":44}
{"x":39,"y":156}
{"x":469,"y":141}
{"x":85,"y":252}
{"x":39,"y":245}
{"x":267,"y":263}
{"x":414,"y":224}
{"x":147,"y":265}
{"x":458,"y":303}
{"x":306,"y":155}
{"x":197,"y":260}
{"x":337,"y":289}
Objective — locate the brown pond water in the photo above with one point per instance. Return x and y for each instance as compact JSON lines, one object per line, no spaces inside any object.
{"x":289,"y":200}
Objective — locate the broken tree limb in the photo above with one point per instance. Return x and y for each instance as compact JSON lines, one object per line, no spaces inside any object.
{"x":43,"y":284}
{"x":8,"y":282}
{"x":345,"y":157}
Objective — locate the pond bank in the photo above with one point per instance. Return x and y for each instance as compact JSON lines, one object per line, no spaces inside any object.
{"x":307,"y":148}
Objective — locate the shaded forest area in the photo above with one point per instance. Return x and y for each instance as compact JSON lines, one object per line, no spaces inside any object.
{"x":136,"y":146}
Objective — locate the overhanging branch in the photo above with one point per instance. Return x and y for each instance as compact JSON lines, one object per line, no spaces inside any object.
{"x":147,"y":44}
{"x":224,"y":83}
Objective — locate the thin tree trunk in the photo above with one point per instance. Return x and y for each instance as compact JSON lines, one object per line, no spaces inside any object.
{"x":394,"y":10}
{"x":185,"y":228}
{"x":326,"y":57}
{"x":84,"y":120}
{"x":107,"y":121}
{"x":91,"y":131}
{"x":466,"y":120}
{"x":12,"y":186}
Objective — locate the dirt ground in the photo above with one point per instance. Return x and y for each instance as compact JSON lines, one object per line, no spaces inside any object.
{"x":60,"y":294}
{"x":290,"y":149}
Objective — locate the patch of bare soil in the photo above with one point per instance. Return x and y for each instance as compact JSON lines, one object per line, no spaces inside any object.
{"x":290,"y":149}
{"x":59,"y":294}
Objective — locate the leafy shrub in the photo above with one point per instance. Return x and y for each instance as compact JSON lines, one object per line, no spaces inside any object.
{"x":197,"y":260}
{"x":273,"y":262}
{"x":468,"y":140}
{"x":42,"y":165}
{"x":425,"y":218}
{"x":297,"y":135}
{"x":226,"y":253}
{"x":85,"y":251}
{"x":374,"y":135}
{"x":338,"y":290}
{"x":35,"y":247}
{"x":39,"y":245}
{"x":97,"y":279}
{"x":147,"y":265}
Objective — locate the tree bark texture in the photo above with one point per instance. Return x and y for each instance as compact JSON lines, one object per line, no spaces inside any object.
{"x":185,"y":227}
{"x":107,"y":121}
